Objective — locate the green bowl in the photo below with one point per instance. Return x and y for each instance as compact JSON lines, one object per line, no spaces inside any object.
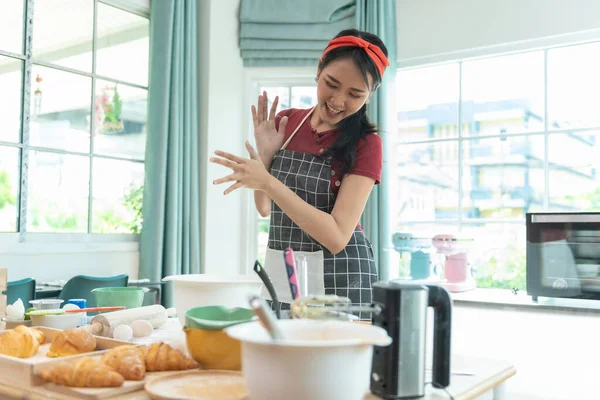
{"x":130,"y":297}
{"x":214,"y":318}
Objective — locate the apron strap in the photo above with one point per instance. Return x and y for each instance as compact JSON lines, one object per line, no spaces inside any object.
{"x":297,"y":128}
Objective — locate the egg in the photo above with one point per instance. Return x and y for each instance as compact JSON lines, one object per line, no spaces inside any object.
{"x":141,"y":328}
{"x":70,"y":306}
{"x":16,"y":310}
{"x":123,"y":332}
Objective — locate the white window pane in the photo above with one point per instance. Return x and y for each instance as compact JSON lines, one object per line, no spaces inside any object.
{"x":427,"y":182}
{"x":263,"y":238}
{"x":272,"y":92}
{"x":122,"y":45}
{"x":11,"y":26}
{"x":427,"y":97}
{"x":574,"y":181}
{"x":497,"y":254}
{"x":10,"y":98}
{"x":63,"y":31}
{"x":504,"y":94}
{"x":573,"y":86}
{"x":304,"y":96}
{"x":503,"y":177}
{"x":60,"y":109}
{"x":120,"y":126}
{"x":117,"y":196}
{"x":57,"y":193}
{"x":9,"y":188}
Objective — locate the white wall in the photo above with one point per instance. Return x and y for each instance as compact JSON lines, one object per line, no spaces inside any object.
{"x":223,"y":118}
{"x":433,"y":30}
{"x":47,"y":260}
{"x":554,"y":352}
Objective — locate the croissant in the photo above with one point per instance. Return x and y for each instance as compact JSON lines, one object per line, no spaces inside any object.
{"x":39,"y":335}
{"x":162,"y":357}
{"x":127,"y":360}
{"x":21,"y":342}
{"x":82,"y":372}
{"x":70,"y":342}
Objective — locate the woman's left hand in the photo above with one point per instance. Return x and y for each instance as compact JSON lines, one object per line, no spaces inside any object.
{"x":250,"y":173}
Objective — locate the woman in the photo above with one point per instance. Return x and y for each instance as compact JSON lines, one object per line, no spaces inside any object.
{"x":314,"y":169}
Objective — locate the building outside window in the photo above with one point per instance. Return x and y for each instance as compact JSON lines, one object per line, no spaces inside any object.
{"x":482,"y":142}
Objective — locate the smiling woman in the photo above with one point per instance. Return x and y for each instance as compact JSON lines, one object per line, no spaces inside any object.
{"x":313,"y":171}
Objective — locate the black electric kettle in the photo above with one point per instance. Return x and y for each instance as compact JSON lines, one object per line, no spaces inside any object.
{"x":398,"y":370}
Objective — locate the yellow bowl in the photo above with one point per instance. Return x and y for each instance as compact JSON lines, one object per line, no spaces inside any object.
{"x":214,"y":349}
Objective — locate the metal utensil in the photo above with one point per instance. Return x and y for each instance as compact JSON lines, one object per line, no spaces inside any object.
{"x":266,"y":316}
{"x":329,"y":307}
{"x":258,"y":268}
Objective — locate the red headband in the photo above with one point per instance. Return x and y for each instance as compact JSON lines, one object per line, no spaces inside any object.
{"x":373,"y":51}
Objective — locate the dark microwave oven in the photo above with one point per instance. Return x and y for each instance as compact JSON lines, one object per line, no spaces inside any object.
{"x":563,"y":255}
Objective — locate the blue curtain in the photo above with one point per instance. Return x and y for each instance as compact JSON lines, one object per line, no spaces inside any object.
{"x":379,"y":17}
{"x":170,"y":237}
{"x":286,"y":33}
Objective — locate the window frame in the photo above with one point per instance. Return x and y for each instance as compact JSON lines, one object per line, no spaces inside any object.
{"x":37,"y":242}
{"x":543,"y":45}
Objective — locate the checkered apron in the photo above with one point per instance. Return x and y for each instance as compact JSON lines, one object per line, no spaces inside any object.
{"x":350,"y":273}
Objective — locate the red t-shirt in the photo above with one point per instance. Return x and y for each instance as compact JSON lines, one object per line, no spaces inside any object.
{"x":369,"y":154}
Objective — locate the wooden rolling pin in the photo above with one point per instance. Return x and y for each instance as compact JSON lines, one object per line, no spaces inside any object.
{"x":103,"y":324}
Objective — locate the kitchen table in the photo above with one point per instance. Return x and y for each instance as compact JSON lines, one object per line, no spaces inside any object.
{"x":472,"y":378}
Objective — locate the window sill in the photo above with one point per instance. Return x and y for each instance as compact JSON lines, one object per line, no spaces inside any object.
{"x":506,"y":299}
{"x":54,"y":243}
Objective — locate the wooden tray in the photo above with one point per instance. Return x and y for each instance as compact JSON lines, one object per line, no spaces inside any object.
{"x":56,"y":391}
{"x":24,"y":371}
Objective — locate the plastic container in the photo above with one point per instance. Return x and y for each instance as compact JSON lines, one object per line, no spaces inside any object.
{"x":56,"y":319}
{"x":46,"y":304}
{"x":130,"y":296}
{"x":316,"y":360}
{"x":198,"y":290}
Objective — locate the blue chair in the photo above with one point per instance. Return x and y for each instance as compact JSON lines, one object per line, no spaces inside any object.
{"x":23,"y":289}
{"x":80,"y":287}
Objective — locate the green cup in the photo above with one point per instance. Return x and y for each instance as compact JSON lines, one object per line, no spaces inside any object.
{"x":130,"y":297}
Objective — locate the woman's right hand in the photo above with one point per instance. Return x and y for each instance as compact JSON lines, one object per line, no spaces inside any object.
{"x":268,"y":139}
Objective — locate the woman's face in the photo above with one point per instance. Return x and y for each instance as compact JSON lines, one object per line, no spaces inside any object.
{"x":341,"y":91}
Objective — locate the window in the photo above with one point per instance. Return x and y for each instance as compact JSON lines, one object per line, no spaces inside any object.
{"x":73,"y":116}
{"x":482,"y":142}
{"x":300,"y":96}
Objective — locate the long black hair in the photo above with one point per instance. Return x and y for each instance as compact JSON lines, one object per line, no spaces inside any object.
{"x":356,"y":126}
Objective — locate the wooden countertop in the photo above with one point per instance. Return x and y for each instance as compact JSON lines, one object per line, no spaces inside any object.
{"x":471,"y":378}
